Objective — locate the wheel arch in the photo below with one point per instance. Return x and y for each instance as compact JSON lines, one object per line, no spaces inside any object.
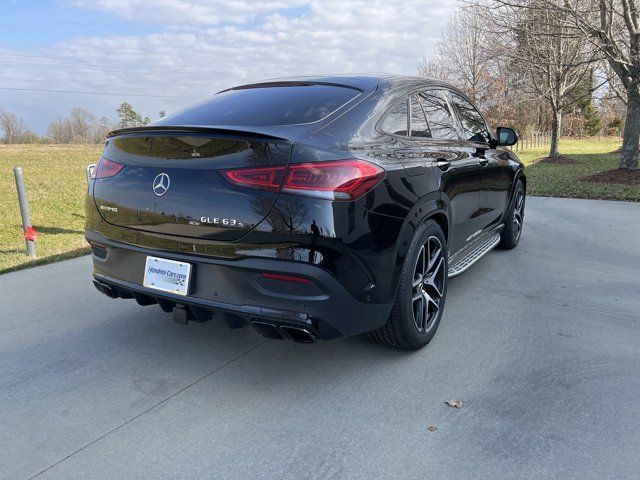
{"x":519,"y":175}
{"x":431,"y":207}
{"x":441,"y":218}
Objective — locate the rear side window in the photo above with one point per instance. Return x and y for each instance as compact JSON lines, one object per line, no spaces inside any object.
{"x":438,"y":115}
{"x":419,"y":127}
{"x":473,"y":127}
{"x":265,"y":106}
{"x":396,"y":120}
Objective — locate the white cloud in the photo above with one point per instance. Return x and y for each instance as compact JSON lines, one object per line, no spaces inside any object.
{"x":200,"y":50}
{"x":188,"y":12}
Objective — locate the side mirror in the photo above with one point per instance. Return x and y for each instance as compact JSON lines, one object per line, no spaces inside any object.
{"x":506,"y":136}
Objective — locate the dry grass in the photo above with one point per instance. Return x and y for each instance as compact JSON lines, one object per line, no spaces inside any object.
{"x":55,"y":183}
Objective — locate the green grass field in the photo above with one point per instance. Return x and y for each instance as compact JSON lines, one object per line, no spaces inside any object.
{"x":565,"y":180}
{"x":55,"y":181}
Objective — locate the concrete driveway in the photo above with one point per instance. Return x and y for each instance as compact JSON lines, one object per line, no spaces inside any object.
{"x":542,"y":344}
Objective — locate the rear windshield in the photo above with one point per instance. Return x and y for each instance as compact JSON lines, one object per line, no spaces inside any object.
{"x":265,"y":106}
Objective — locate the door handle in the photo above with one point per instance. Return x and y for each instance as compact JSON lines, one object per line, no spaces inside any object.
{"x":483,"y":161}
{"x":443,"y":164}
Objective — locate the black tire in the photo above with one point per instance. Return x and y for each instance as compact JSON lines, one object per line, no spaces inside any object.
{"x":514,"y":219}
{"x":402,"y":330}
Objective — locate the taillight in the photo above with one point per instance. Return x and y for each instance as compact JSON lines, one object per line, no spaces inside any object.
{"x":335,"y":180}
{"x":107,"y":168}
{"x":267,"y":178}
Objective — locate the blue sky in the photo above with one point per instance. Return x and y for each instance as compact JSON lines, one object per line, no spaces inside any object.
{"x":30,"y":24}
{"x":163,"y":54}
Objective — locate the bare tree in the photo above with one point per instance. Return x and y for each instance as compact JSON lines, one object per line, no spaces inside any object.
{"x":59,"y":132}
{"x":14,"y":129}
{"x":548,"y":57}
{"x":468,"y":57}
{"x":613,"y":85}
{"x":432,"y":67}
{"x":82,"y":123}
{"x":613,"y":26}
{"x":463,"y":56}
{"x":556,"y":61}
{"x":102,"y":128}
{"x":80,"y":126}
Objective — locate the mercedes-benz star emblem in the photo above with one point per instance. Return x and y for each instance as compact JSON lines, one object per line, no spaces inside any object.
{"x":161,"y":184}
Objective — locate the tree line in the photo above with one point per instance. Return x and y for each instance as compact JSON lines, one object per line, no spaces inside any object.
{"x":570,"y":67}
{"x":79,"y":126}
{"x":564,"y":66}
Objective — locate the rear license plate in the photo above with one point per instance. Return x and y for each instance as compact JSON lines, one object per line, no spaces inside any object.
{"x":167,"y":275}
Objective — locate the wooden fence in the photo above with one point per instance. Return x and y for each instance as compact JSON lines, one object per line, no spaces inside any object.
{"x":533,"y":140}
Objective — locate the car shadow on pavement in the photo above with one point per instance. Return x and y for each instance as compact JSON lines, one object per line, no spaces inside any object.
{"x":257,"y":360}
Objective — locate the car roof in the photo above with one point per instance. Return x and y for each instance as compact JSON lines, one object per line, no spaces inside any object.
{"x":367,"y":82}
{"x":364,"y":82}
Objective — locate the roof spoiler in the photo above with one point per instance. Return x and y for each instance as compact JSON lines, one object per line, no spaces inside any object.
{"x":225,"y":130}
{"x":291,"y":83}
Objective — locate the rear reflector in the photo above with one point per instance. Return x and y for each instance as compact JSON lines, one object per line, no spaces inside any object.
{"x":335,"y":180}
{"x":107,"y":168}
{"x":98,"y":249}
{"x":286,"y":278}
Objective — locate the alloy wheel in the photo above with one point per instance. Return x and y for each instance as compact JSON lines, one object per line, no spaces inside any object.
{"x":429,"y":279}
{"x":518,"y":214}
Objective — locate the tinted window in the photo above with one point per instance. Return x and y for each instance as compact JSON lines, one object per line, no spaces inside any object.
{"x":264,"y":106}
{"x":419,"y":127}
{"x":471,"y":122}
{"x":396,"y":120}
{"x":438,"y":115}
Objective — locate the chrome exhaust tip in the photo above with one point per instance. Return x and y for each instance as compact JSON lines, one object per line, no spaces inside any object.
{"x":105,"y":288}
{"x":267,"y":330}
{"x":298,"y":334}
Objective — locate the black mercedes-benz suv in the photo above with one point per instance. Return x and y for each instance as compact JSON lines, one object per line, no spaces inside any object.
{"x":311,"y":207}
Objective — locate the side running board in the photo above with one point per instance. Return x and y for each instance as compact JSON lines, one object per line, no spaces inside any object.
{"x":471,"y":256}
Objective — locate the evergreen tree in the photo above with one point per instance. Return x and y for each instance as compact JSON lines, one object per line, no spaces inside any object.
{"x":584,"y":102}
{"x":593,"y":122}
{"x":129,"y":117}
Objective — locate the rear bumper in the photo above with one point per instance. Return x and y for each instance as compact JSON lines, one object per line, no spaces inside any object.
{"x":237,"y":288}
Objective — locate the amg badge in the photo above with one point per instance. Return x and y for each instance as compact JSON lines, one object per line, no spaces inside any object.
{"x":225,"y":222}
